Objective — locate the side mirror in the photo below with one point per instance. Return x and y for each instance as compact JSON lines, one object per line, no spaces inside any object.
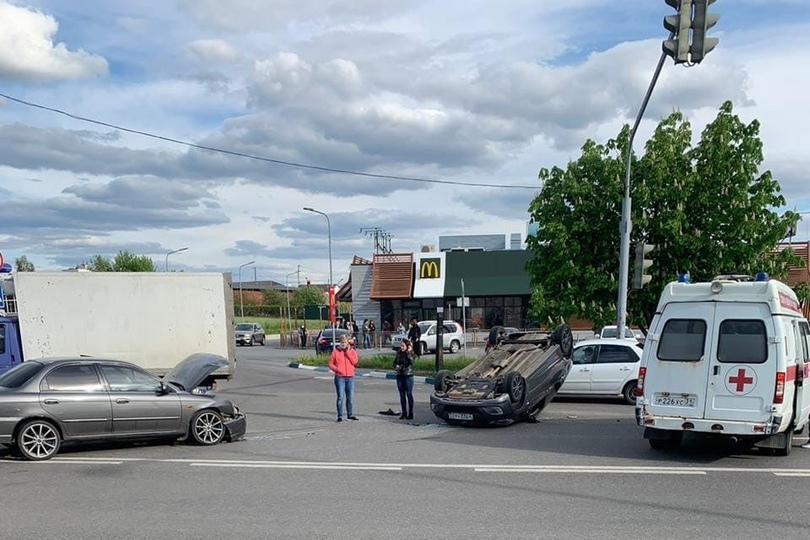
{"x":163,"y":389}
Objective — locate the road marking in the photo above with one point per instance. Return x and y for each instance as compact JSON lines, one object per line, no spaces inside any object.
{"x":310,"y":466}
{"x":796,"y":474}
{"x":587,"y":471}
{"x":76,"y":462}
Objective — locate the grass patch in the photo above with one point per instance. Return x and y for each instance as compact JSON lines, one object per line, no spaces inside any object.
{"x":424,"y":366}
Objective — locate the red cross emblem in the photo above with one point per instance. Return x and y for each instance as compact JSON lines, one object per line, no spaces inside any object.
{"x":740,"y":380}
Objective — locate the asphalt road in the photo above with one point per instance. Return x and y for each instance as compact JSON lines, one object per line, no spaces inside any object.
{"x":582,"y":472}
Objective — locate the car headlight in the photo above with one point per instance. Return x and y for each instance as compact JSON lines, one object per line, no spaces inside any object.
{"x":495,"y":411}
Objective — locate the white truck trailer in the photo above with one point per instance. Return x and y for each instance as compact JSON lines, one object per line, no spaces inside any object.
{"x":154,"y":320}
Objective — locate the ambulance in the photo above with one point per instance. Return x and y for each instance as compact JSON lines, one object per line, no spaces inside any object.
{"x":729,"y":358}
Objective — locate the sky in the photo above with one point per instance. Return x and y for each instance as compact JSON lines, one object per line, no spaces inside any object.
{"x":446,"y":109}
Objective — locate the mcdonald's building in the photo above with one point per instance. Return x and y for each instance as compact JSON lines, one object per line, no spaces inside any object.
{"x":484,"y":288}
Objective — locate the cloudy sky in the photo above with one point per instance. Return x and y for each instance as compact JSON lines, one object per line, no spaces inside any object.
{"x":463,"y":101}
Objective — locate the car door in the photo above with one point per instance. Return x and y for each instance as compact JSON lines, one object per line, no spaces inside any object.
{"x":615,"y":365}
{"x":579,"y":378}
{"x":138,"y":408}
{"x":74,"y":395}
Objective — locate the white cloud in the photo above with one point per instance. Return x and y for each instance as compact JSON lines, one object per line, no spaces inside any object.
{"x":28,"y":51}
{"x":213,"y":51}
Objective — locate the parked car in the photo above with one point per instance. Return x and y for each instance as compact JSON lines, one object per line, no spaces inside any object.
{"x":46,"y":402}
{"x":452,"y":337}
{"x":323,"y":344}
{"x":612,"y":332}
{"x":496,"y":333}
{"x":604,"y":367}
{"x":513,"y":382}
{"x":249,"y":333}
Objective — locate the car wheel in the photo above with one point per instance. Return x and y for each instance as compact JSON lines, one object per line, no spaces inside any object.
{"x":250,"y":341}
{"x":423,"y":349}
{"x":563,"y":337}
{"x":629,"y":392}
{"x":515,"y":386}
{"x":442,"y":381}
{"x":38,"y":440}
{"x":455,"y":346}
{"x":207,"y":427}
{"x":785,"y":450}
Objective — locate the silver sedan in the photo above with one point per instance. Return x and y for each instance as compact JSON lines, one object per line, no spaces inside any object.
{"x":45,"y":402}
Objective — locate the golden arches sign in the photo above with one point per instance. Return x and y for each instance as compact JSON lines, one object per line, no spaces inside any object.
{"x":430,"y":269}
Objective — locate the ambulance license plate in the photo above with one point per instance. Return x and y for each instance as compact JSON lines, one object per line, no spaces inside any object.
{"x":675,"y":401}
{"x":460,"y":416}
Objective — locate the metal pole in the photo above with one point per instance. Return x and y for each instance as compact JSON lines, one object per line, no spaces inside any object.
{"x":626,"y":225}
{"x":241,"y":303}
{"x":287,"y":289}
{"x":464,"y":315}
{"x":170,"y":253}
{"x":329,"y":236}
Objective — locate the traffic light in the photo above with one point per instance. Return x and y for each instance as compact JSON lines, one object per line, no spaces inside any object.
{"x":642,"y":264}
{"x":702,"y":20}
{"x":678,"y":46}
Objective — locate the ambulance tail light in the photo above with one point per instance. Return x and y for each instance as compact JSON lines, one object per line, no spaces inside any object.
{"x":779,"y":392}
{"x":642,"y":372}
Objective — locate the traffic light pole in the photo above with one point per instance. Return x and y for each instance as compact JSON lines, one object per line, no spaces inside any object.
{"x":626,"y":225}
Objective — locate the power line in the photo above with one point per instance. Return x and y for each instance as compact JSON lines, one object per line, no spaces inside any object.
{"x":259,"y":158}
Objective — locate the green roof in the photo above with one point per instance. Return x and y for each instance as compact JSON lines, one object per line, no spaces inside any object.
{"x":487,"y":273}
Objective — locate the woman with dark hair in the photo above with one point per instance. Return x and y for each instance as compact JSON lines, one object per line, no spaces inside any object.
{"x":403,"y":365}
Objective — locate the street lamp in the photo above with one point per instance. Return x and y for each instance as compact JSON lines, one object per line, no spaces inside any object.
{"x":241,"y":304}
{"x":171,"y":252}
{"x":329,"y":236}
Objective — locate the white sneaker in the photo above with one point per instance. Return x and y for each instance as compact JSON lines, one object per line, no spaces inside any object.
{"x":806,"y":445}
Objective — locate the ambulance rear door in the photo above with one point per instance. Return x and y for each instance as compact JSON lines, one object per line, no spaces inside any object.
{"x":742,"y":362}
{"x":802,"y":379}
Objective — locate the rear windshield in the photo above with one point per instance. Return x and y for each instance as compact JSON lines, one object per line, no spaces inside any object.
{"x":19,"y":375}
{"x":682,"y":340}
{"x":743,"y":342}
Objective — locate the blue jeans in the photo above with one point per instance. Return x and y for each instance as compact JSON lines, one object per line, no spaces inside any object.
{"x":405,"y":387}
{"x":345,"y":390}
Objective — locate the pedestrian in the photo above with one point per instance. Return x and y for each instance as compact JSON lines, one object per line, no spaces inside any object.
{"x":372,"y":332}
{"x":350,"y":329}
{"x":414,"y":335}
{"x":302,"y":334}
{"x":365,"y":333}
{"x":342,"y":362}
{"x":403,"y":365}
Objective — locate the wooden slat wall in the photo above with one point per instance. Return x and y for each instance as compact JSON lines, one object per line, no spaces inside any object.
{"x":392,"y":276}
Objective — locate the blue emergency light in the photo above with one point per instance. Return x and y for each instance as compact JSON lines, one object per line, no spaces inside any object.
{"x":761,"y":276}
{"x":683,"y":278}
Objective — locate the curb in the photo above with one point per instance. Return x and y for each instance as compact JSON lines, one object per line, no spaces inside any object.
{"x":372,"y":374}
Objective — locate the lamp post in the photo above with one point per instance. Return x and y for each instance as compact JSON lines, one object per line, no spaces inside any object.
{"x":329,"y":237}
{"x":171,"y":252}
{"x":287,"y":290}
{"x":241,"y":304}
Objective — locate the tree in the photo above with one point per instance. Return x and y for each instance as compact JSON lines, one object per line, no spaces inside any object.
{"x":274,"y":298}
{"x":308,"y":296}
{"x":707,"y":209}
{"x":22,"y":264}
{"x":124,"y":261}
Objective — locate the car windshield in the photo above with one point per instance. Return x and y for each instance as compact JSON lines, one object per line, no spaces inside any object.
{"x":247,"y":327}
{"x":424,"y":327}
{"x":19,"y":375}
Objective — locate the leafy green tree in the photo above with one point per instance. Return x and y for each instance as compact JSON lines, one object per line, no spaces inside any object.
{"x":308,"y":296}
{"x":707,"y":209}
{"x":22,"y":264}
{"x":124,"y":261}
{"x":274,"y":298}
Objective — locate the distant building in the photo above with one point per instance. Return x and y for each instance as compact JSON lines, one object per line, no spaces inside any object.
{"x":479,"y":242}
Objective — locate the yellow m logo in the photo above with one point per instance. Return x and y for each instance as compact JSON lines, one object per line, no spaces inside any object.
{"x":430,"y":269}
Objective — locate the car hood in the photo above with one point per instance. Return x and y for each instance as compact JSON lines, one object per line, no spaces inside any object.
{"x":193,"y":370}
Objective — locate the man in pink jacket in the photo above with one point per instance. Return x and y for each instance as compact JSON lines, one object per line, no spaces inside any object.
{"x":342,"y":362}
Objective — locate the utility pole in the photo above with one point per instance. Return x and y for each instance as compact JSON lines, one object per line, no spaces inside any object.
{"x":382,"y":238}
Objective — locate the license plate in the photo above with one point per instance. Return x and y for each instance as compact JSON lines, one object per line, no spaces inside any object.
{"x":675,"y":401}
{"x":459,"y":416}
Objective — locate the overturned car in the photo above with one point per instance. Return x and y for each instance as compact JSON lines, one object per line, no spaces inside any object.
{"x":513,"y":381}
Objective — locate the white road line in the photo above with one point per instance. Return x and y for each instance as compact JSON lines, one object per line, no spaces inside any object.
{"x":75,"y":462}
{"x":797,"y":474}
{"x":589,"y":471}
{"x":279,"y":466}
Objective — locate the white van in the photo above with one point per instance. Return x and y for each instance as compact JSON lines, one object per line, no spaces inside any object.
{"x":728,"y":357}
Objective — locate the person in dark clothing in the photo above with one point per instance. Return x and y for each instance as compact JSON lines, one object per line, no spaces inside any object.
{"x":403,"y":365}
{"x":414,"y":335}
{"x":302,"y":334}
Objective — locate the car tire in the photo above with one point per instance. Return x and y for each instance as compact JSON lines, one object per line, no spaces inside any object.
{"x":629,"y":392}
{"x":674,"y":441}
{"x":264,"y":338}
{"x":563,"y":337}
{"x":38,"y":440}
{"x":785,"y":450}
{"x":250,"y":341}
{"x":423,"y":349}
{"x":207,"y":428}
{"x":442,"y":381}
{"x":455,"y":346}
{"x":515,"y":385}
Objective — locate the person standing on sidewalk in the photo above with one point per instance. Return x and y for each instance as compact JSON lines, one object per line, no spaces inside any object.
{"x":414,"y":335}
{"x":342,"y":362}
{"x":403,"y":365}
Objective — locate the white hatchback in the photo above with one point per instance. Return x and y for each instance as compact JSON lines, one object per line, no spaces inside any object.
{"x":604,"y":367}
